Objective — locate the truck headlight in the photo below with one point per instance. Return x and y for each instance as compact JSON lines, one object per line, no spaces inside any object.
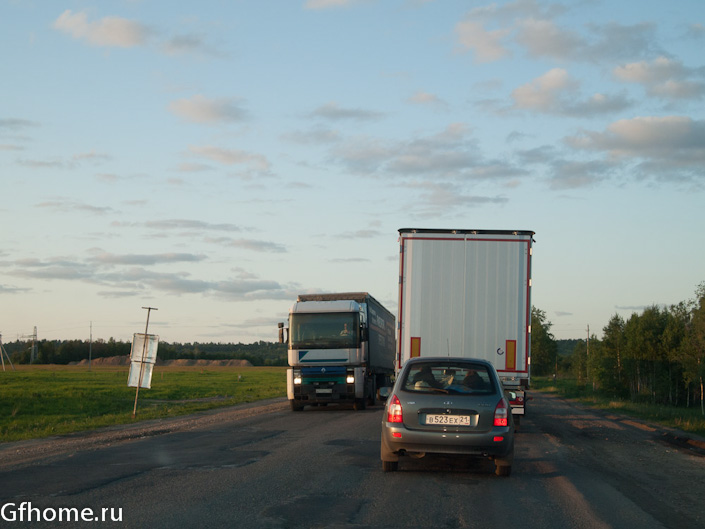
{"x":350,"y":379}
{"x":297,"y":380}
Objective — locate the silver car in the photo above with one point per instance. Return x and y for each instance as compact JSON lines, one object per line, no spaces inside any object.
{"x":447,"y":406}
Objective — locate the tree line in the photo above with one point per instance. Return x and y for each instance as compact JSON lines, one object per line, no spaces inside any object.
{"x":655,"y":356}
{"x":66,"y":351}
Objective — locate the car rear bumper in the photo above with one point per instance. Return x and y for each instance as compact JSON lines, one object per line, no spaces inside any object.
{"x":397,"y":440}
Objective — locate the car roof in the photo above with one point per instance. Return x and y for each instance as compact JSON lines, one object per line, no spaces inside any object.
{"x":449,"y":359}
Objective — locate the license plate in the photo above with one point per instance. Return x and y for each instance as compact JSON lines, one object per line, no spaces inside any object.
{"x":451,"y":420}
{"x":324,"y":391}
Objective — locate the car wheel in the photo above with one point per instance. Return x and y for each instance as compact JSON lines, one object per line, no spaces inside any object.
{"x":390,"y":466}
{"x":359,"y":404}
{"x":295,"y":405}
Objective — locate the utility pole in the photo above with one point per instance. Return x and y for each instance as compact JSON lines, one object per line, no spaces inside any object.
{"x":33,"y":351}
{"x":144,"y":352}
{"x":587,"y":354}
{"x":90,"y":348}
{"x":4,"y":352}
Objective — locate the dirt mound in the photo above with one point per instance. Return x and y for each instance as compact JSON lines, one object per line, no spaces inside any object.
{"x":125,"y":361}
{"x":220,"y":363}
{"x":107,"y":361}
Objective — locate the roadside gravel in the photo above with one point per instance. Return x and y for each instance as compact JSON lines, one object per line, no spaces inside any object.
{"x":22,"y":453}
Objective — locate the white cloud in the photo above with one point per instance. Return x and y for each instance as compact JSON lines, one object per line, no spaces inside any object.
{"x":201,"y":109}
{"x":332,"y":111}
{"x":314,"y":136}
{"x":674,"y":90}
{"x":452,"y":153}
{"x":533,"y":26}
{"x":644,"y":72}
{"x":72,"y":206}
{"x":542,"y":38}
{"x":248,"y":244}
{"x":108,"y":258}
{"x":425,"y":98}
{"x":108,"y":31}
{"x":543,"y":92}
{"x":556,"y":92}
{"x":664,"y":78}
{"x":567,"y":174}
{"x":645,"y":136}
{"x":122,"y":275}
{"x":14,"y":124}
{"x":256,"y":162}
{"x":188,"y":224}
{"x":190,"y":44}
{"x":329,"y":4}
{"x":486,"y":45}
{"x":439,"y":198}
{"x":669,"y":148}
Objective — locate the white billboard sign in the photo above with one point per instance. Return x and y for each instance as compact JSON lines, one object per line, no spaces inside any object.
{"x":142,"y":359}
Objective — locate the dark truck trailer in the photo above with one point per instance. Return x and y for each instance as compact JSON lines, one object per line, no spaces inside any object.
{"x":341,"y":349}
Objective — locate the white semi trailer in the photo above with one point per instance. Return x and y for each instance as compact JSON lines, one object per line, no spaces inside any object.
{"x":468,"y":293}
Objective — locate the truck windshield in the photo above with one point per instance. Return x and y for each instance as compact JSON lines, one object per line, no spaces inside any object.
{"x":324,"y":330}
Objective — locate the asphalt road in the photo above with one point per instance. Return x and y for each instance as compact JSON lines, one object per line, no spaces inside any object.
{"x":267,"y":467}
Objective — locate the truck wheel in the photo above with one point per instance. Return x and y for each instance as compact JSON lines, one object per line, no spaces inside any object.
{"x":390,"y":466}
{"x":359,"y":404}
{"x":371,"y":396}
{"x":296,"y":405}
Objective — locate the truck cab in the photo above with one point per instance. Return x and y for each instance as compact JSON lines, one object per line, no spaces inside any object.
{"x":335,"y":344}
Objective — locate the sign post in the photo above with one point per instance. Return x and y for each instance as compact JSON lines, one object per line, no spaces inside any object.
{"x":142,"y":360}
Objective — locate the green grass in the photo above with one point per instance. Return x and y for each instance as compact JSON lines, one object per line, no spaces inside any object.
{"x":686,"y":419}
{"x":39,"y":401}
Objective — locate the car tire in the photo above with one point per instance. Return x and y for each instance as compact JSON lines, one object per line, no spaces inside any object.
{"x":390,"y":466}
{"x":359,"y":404}
{"x":296,"y":406}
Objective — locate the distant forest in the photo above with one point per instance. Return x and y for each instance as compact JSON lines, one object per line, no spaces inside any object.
{"x":67,"y":351}
{"x":657,"y":356}
{"x":258,"y":353}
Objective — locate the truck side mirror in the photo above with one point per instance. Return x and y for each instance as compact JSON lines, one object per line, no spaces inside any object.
{"x":281,"y":333}
{"x":384,"y":392}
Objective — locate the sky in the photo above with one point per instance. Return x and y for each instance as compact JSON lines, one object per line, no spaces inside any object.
{"x":214,"y":159}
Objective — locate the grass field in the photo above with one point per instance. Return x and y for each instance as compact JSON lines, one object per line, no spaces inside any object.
{"x":39,"y":401}
{"x":686,"y":419}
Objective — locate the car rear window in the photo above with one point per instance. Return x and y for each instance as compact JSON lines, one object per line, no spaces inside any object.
{"x":448,"y":377}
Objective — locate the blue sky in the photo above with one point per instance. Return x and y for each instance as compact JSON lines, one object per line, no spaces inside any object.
{"x":214,"y":159}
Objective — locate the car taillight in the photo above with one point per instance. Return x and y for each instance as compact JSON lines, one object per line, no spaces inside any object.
{"x":501,"y":414}
{"x":394,"y":413}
